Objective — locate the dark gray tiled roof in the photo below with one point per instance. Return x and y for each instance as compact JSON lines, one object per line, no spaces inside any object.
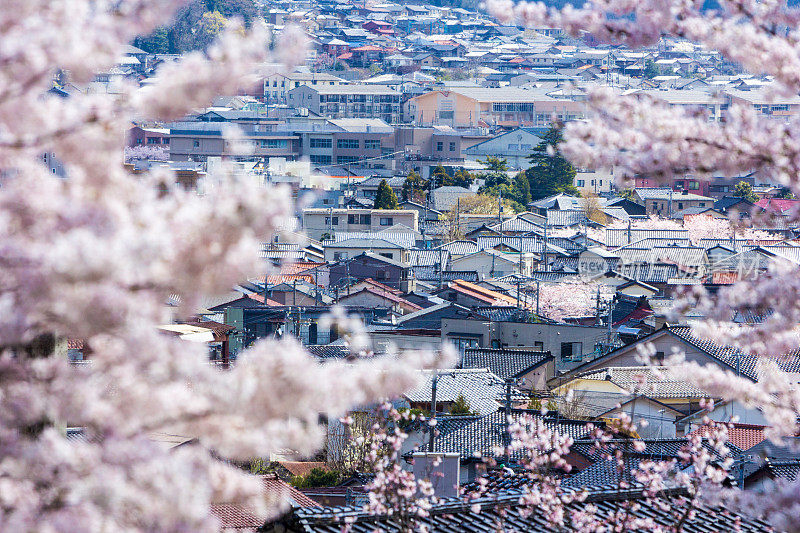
{"x":484,"y":435}
{"x":506,"y":363}
{"x":502,"y":511}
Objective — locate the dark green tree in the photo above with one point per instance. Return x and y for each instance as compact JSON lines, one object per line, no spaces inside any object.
{"x":650,"y":70}
{"x":461,"y":406}
{"x":494,"y":164}
{"x":385,"y":198}
{"x":745,"y":190}
{"x":462,"y":178}
{"x":414,"y":188}
{"x":785,"y":192}
{"x":155,"y":43}
{"x":522,"y":189}
{"x":440,"y":177}
{"x":318,"y":477}
{"x":550,"y":173}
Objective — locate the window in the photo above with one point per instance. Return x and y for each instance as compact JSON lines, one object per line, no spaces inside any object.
{"x":463,"y":344}
{"x":372,"y":144}
{"x":581,"y":183}
{"x":153,"y":140}
{"x":702,"y":204}
{"x":352,"y":219}
{"x":366,"y":220}
{"x":387,"y":221}
{"x":694,"y":185}
{"x":331,"y":221}
{"x":538,"y":346}
{"x":196,"y":144}
{"x":660,"y":358}
{"x":452,"y":147}
{"x":320,"y":143}
{"x":513,"y":147}
{"x":320,"y":159}
{"x":381,"y":274}
{"x":446,"y":115}
{"x":680,"y":205}
{"x":338,"y":256}
{"x":348,"y":144}
{"x":439,"y":146}
{"x":273,"y":143}
{"x":387,"y":255}
{"x":525,"y":147}
{"x":571,"y":350}
{"x":346,"y":159}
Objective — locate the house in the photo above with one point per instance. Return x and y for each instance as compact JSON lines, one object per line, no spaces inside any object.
{"x":514,"y":146}
{"x":671,"y":338}
{"x":348,"y":248}
{"x":277,"y":85}
{"x":318,"y":222}
{"x":482,"y":389}
{"x":571,"y":344}
{"x":395,"y":274}
{"x":371,"y":296}
{"x":493,"y":264}
{"x":530,"y":368}
{"x":665,"y":202}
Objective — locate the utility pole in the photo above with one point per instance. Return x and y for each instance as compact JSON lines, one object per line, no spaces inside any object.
{"x":537,"y":298}
{"x":610,"y":310}
{"x":507,"y":421}
{"x":434,"y":383}
{"x":316,"y":286}
{"x":518,"y":282}
{"x":544,"y":248}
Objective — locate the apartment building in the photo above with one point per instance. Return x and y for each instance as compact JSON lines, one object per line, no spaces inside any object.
{"x":197,"y":141}
{"x":482,"y":106}
{"x":777,"y":108}
{"x":317,"y":222}
{"x":365,"y":142}
{"x":349,"y":101}
{"x":277,"y":85}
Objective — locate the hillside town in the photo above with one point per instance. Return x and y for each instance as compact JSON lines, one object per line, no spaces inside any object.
{"x":434,"y":211}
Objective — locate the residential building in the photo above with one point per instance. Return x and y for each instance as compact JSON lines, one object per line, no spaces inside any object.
{"x":505,"y":106}
{"x":317,"y":222}
{"x":349,"y":101}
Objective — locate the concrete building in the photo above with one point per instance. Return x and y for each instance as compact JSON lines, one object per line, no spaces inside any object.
{"x":466,"y":107}
{"x":317,"y":222}
{"x":348,"y":101}
{"x":277,"y":85}
{"x":197,"y":141}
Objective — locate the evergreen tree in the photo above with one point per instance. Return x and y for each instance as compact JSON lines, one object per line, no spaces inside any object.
{"x":550,"y":172}
{"x":522,"y":189}
{"x":414,"y":188}
{"x":461,"y":406}
{"x":386,"y":198}
{"x":155,"y":43}
{"x":745,"y":190}
{"x":440,"y":177}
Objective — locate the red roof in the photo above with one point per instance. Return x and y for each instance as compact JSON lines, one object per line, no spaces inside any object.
{"x":348,"y":55}
{"x":237,"y":516}
{"x":367,"y":48}
{"x":778,"y":205}
{"x":74,"y":344}
{"x":743,"y":436}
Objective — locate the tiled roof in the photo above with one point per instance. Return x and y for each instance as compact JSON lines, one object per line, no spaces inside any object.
{"x":570,"y":217}
{"x":520,"y":244}
{"x":743,"y":436}
{"x":503,"y":511}
{"x":504,"y":362}
{"x":622,"y":236}
{"x":238,"y":516}
{"x":482,"y":389}
{"x":460,"y":247}
{"x":301,"y":468}
{"x":735,"y":359}
{"x":487,"y":433}
{"x":655,"y":382}
{"x":327,"y":351}
{"x":428,"y":258}
{"x":431,"y":273}
{"x":404,"y":239}
{"x":517,"y":224}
